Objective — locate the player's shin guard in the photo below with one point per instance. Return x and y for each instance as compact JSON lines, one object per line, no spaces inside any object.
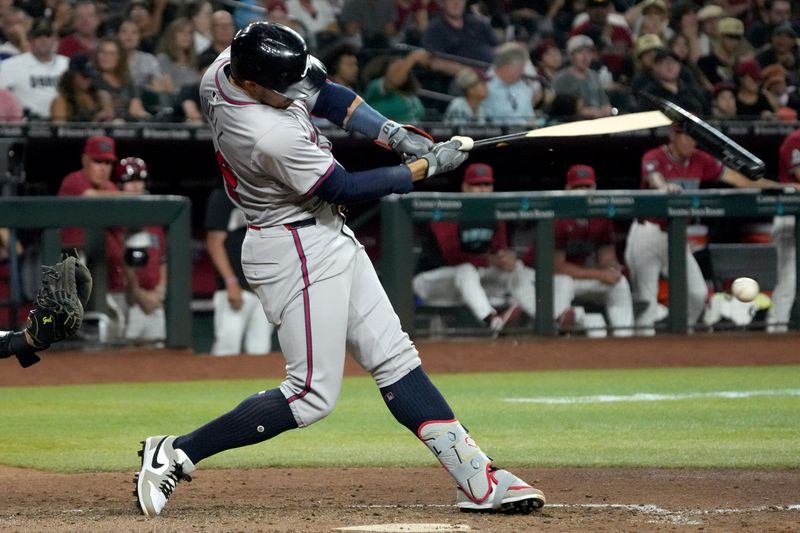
{"x":460,"y":456}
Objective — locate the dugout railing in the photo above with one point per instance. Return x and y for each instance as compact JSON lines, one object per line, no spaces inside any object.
{"x":49,"y":214}
{"x":540,"y":209}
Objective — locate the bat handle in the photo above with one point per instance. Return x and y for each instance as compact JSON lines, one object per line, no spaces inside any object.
{"x":467,"y":143}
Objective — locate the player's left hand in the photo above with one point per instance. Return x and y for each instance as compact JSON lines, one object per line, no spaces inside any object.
{"x":58,"y":313}
{"x":405,"y":139}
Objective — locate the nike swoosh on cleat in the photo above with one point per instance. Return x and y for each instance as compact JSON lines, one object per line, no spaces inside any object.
{"x":155,"y":464}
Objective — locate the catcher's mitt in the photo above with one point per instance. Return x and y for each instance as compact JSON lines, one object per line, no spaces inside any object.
{"x":58,"y":313}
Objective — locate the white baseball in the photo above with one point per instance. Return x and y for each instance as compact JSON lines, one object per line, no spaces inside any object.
{"x":466,"y":142}
{"x":745,"y":289}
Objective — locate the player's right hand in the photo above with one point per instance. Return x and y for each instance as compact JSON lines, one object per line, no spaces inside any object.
{"x":444,"y":157}
{"x":405,"y":140}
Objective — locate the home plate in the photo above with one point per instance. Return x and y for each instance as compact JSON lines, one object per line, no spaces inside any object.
{"x":407,"y":528}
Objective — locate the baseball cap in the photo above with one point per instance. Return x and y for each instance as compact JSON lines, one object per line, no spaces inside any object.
{"x":468,"y":77}
{"x":664,"y":53}
{"x":478,"y":173}
{"x":731,"y":26}
{"x":784,"y":28}
{"x":100,"y":148}
{"x":749,"y":68}
{"x":598,"y":3}
{"x":649,"y":41}
{"x":578,"y":175}
{"x":131,"y":169}
{"x":577,"y":42}
{"x":711,"y":11}
{"x":82,"y":64}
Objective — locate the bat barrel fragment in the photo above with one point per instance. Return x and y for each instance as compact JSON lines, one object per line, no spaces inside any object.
{"x":710,"y":139}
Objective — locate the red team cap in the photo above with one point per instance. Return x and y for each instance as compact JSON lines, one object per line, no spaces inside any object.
{"x":100,"y":148}
{"x":478,"y":173}
{"x":578,"y":175}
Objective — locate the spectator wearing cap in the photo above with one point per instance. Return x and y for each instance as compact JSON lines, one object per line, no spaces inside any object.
{"x":613,"y":41}
{"x":85,"y":22}
{"x":78,"y":98}
{"x":647,"y":46}
{"x":708,"y":18}
{"x":751,"y":102}
{"x":33,"y":77}
{"x":719,"y":64}
{"x":468,"y":109}
{"x":649,"y":17}
{"x":724,"y":101}
{"x":667,"y":84}
{"x":778,"y":91}
{"x":459,"y":34}
{"x":585,"y":251}
{"x":777,"y":13}
{"x":511,"y":98}
{"x":473,"y":265}
{"x":783,"y":50}
{"x":580,"y":80}
{"x":141,"y":305}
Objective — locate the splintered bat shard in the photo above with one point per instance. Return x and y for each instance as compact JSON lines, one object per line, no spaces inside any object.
{"x":710,"y":139}
{"x":597,"y":126}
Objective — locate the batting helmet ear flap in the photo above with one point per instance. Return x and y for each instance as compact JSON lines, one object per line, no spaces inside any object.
{"x":277,"y":58}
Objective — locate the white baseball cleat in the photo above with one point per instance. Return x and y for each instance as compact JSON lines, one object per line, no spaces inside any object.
{"x":509,"y":494}
{"x":162,"y":468}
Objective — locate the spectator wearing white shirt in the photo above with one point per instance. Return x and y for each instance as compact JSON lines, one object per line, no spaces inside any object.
{"x":33,"y":76}
{"x":510,"y":99}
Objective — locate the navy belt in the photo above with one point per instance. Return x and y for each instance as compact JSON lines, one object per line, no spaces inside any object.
{"x":293,"y":225}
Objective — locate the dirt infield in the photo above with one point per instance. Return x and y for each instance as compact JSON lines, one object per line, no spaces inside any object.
{"x":586,"y":499}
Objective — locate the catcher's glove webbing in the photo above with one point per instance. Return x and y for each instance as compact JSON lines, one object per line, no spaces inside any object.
{"x":58,"y":312}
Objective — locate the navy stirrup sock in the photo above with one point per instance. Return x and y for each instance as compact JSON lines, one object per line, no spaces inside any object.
{"x":258,"y":418}
{"x":414,"y":400}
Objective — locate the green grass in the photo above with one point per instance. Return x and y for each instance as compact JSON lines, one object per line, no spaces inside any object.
{"x":98,"y":427}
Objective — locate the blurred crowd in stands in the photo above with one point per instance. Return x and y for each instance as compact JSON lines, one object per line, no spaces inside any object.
{"x":463,"y":62}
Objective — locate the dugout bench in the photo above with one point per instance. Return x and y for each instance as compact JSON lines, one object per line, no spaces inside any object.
{"x":400,"y":213}
{"x":50,"y":213}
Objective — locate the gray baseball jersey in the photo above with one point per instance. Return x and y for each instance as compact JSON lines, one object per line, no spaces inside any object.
{"x":314,"y":280}
{"x":272,"y":157}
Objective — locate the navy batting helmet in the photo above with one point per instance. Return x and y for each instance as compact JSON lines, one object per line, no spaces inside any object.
{"x":277,"y":58}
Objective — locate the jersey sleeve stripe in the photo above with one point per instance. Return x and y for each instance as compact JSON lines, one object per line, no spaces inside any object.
{"x":321,"y":179}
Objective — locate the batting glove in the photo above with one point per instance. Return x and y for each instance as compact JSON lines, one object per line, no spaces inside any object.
{"x":444,"y":157}
{"x":404,"y":139}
